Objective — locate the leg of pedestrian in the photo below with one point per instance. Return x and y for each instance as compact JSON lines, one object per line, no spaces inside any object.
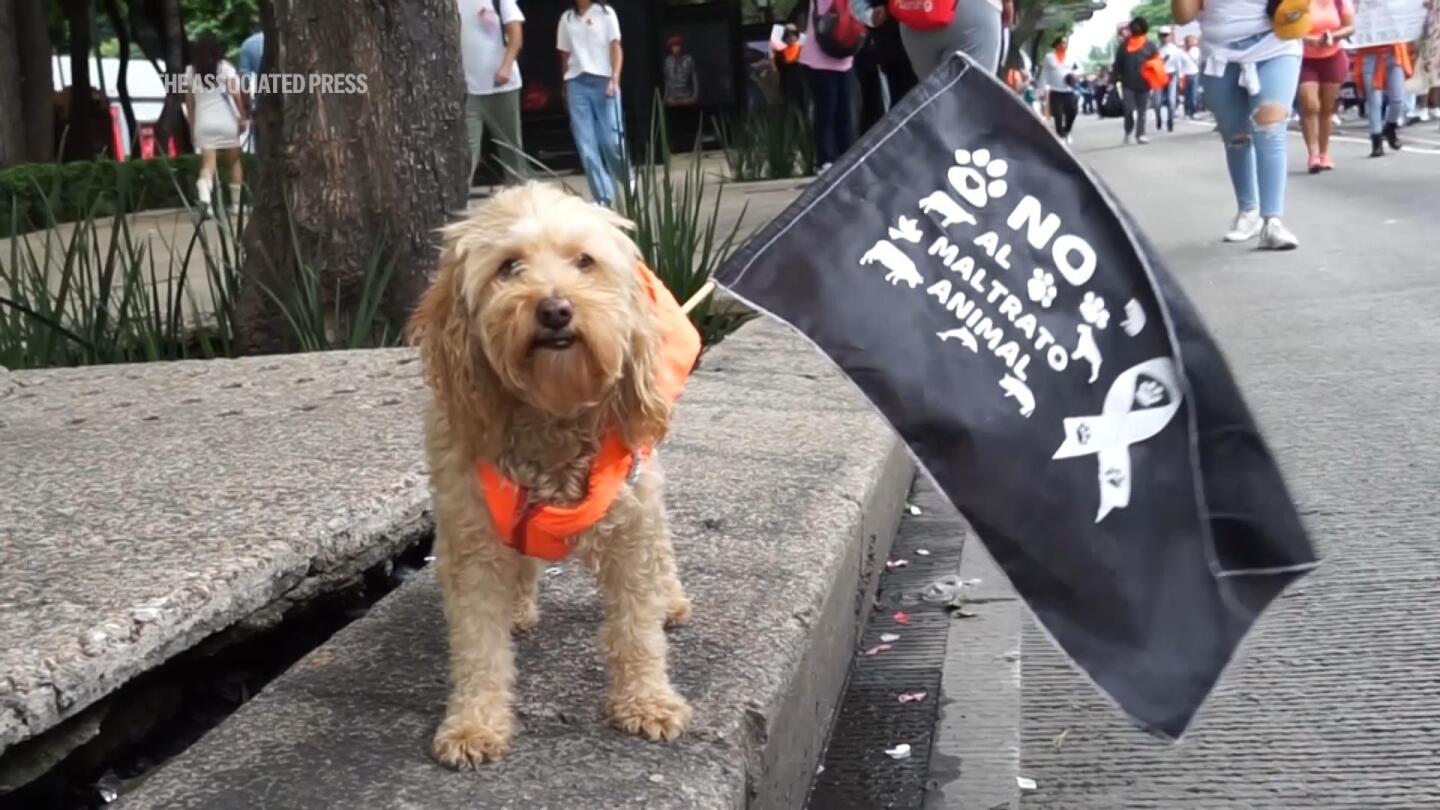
{"x":1229,"y":103}
{"x":475,"y":130}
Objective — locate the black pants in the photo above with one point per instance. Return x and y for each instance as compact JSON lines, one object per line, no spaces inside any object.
{"x":872,"y":93}
{"x":893,"y":61}
{"x":830,"y":97}
{"x":1137,"y":106}
{"x":1063,"y":108}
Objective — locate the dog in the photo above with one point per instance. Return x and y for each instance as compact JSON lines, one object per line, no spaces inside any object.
{"x":541,"y":348}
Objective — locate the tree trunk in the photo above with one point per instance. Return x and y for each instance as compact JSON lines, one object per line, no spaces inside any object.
{"x":80,"y":138}
{"x":172,"y":123}
{"x":37,"y":83}
{"x":353,"y":173}
{"x":13,"y":149}
{"x":122,"y":34}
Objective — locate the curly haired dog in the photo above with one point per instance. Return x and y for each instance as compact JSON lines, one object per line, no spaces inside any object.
{"x":538,"y":339}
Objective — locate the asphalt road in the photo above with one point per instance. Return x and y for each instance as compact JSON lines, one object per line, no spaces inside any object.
{"x":1335,"y":699}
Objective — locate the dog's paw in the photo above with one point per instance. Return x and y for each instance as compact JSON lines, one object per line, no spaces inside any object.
{"x":525,"y":616}
{"x":466,"y":744}
{"x":677,"y":609}
{"x":654,"y":716}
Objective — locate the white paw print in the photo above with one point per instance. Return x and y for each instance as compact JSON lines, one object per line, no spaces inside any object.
{"x":1149,"y":393}
{"x":1041,"y":288}
{"x":969,"y":176}
{"x":1092,"y":309}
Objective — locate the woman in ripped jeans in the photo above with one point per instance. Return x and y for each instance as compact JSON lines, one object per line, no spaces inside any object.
{"x":1249,"y":76}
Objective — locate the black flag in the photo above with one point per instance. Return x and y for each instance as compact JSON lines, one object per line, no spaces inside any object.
{"x":994,"y":303}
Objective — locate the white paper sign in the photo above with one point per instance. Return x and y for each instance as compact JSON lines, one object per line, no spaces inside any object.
{"x":1385,"y":22}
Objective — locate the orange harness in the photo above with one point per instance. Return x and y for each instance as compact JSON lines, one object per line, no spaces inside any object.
{"x":545,"y":530}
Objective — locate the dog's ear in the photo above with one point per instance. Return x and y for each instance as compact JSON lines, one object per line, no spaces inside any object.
{"x":643,"y":410}
{"x":466,"y":388}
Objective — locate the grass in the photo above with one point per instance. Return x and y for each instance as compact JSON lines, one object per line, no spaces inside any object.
{"x":88,"y":298}
{"x":769,"y":143}
{"x":678,"y":231}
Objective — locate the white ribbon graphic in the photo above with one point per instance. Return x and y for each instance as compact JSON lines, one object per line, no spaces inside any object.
{"x":1140,"y":403}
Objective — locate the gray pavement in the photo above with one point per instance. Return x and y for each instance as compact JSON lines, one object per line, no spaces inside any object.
{"x":1334,"y":701}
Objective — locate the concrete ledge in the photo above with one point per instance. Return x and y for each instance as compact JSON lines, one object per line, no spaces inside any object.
{"x":785,"y":489}
{"x":147,"y":507}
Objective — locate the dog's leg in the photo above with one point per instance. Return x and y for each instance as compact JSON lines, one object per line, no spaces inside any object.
{"x":677,"y":604}
{"x":635,"y":585}
{"x":478,"y":580}
{"x":527,"y":595}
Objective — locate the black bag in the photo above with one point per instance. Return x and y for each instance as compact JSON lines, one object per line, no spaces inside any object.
{"x":1111,"y":104}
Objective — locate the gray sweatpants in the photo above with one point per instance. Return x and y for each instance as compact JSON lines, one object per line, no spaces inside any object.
{"x":975,"y":30}
{"x":501,"y":113}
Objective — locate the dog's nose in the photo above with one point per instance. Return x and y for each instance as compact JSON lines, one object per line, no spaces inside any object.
{"x":555,"y":312}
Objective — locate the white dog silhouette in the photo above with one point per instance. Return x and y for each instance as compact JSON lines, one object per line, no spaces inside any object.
{"x":898,"y":266}
{"x":1085,"y":349}
{"x":1020,"y":392}
{"x":950,"y":211}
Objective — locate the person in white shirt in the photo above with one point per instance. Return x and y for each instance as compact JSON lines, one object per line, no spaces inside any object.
{"x":491,"y":35}
{"x":1190,"y":74}
{"x":590,"y":55}
{"x":1060,"y":74}
{"x":218,"y":112}
{"x":1168,"y":96}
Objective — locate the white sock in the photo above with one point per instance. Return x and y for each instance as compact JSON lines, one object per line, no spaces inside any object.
{"x":202,"y":190}
{"x":235,"y":195}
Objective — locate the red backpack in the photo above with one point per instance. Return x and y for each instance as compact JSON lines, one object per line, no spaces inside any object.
{"x":837,"y":32}
{"x":923,"y":15}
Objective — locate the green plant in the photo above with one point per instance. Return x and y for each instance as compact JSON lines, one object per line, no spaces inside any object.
{"x":41,"y":194}
{"x":677,"y":228}
{"x":769,"y":143}
{"x":84,"y":294}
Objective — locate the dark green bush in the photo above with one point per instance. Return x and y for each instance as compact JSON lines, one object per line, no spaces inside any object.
{"x":42,"y":194}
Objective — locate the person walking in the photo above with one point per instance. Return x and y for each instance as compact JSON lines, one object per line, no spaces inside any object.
{"x":1430,"y":59}
{"x":1131,"y":56}
{"x":1383,"y":70}
{"x":1169,"y":95}
{"x":1190,"y":76}
{"x":1250,"y":76}
{"x":884,"y":49}
{"x":588,"y":40}
{"x":491,"y":35}
{"x":829,"y":80}
{"x":1060,"y":74}
{"x":218,"y":113}
{"x":1322,"y":71}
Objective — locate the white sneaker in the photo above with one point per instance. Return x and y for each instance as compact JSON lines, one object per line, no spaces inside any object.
{"x":1247,"y":226}
{"x":1424,"y":115}
{"x":1274,"y":236}
{"x":1335,"y":119}
{"x":1142,"y":139}
{"x":1069,"y":139}
{"x":824,"y":167}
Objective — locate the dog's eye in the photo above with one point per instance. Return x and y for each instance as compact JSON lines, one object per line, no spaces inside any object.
{"x":584,"y":261}
{"x":509,"y":268}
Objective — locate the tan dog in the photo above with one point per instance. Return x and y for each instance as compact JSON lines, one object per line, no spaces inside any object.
{"x":537,"y":337}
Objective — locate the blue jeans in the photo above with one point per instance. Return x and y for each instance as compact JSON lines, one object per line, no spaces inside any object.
{"x":830,"y":95}
{"x":1255,"y":153}
{"x":1165,"y":99}
{"x":1192,"y":87}
{"x":1394,"y":89}
{"x":596,"y":123}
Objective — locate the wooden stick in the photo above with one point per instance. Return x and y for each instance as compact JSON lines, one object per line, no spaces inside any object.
{"x":700,"y":295}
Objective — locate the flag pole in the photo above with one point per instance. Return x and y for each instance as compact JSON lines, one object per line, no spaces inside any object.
{"x":700,"y":295}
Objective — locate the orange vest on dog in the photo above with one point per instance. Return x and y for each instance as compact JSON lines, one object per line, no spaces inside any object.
{"x":545,"y":530}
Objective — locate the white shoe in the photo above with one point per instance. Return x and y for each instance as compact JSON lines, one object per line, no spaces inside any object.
{"x":1246,"y":227}
{"x":825,"y":167}
{"x":1141,"y":139}
{"x":1069,"y":139}
{"x":1127,"y":140}
{"x":1274,"y":236}
{"x":1335,"y":119}
{"x":1424,"y":115}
